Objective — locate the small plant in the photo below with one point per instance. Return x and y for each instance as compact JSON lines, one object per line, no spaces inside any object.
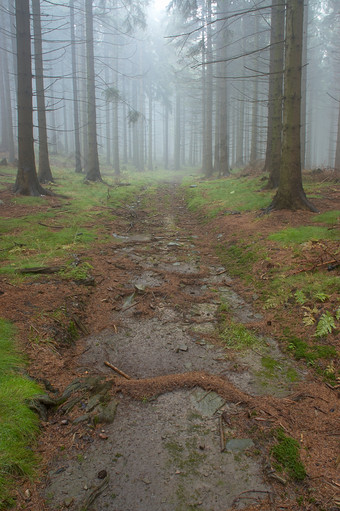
{"x":325,"y":325}
{"x":286,"y":452}
{"x":300,"y":297}
{"x":236,"y":335}
{"x":321,"y":296}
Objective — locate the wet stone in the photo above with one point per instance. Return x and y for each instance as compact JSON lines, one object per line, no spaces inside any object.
{"x":239,"y":444}
{"x":107,"y":413}
{"x":207,"y":403}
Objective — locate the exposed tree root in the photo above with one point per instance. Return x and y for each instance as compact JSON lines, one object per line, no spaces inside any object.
{"x":149,"y":387}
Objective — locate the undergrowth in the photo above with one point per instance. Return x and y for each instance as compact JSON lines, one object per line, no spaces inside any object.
{"x":18,"y":424}
{"x":287,"y":454}
{"x":237,"y":336}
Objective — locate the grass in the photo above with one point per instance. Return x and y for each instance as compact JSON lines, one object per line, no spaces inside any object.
{"x":18,"y":424}
{"x":286,"y":452}
{"x":235,"y":335}
{"x":302,"y":234}
{"x":227,"y":195}
{"x":329,"y":217}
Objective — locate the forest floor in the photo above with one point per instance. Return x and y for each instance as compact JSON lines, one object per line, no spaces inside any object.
{"x":191,"y":422}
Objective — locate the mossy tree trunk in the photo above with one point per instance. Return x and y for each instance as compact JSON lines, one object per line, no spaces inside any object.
{"x":27,"y":180}
{"x":290,"y":193}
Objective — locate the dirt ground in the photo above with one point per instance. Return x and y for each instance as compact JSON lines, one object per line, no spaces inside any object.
{"x":153,"y":313}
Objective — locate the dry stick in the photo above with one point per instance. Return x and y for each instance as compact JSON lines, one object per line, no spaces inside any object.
{"x":334,"y":261}
{"x":222,"y":437}
{"x":117,"y":370}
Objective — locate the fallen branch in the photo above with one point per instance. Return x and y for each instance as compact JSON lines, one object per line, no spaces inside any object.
{"x":121,"y":373}
{"x":51,"y":226}
{"x":315,"y":266}
{"x":41,"y":269}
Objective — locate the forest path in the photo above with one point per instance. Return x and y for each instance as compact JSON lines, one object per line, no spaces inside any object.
{"x":186,"y":443}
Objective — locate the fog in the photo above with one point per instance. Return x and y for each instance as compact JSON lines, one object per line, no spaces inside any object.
{"x":177,"y":84}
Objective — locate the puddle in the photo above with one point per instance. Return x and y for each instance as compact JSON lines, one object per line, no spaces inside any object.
{"x":158,"y":455}
{"x":151,"y":347}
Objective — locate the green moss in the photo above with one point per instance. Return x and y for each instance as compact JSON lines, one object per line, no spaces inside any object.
{"x":286,"y":452}
{"x":302,"y":234}
{"x":302,"y":350}
{"x":18,"y":424}
{"x":329,"y":217}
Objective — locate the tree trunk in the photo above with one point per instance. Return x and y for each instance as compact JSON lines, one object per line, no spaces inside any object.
{"x":177,"y":141}
{"x":166,"y":137}
{"x":304,"y":87}
{"x":150,"y":162}
{"x":255,"y":105}
{"x":222,"y":105}
{"x":290,"y":194}
{"x":44,"y":174}
{"x":27,"y":180}
{"x":7,"y":120}
{"x":337,"y":149}
{"x":78,"y":168}
{"x":274,"y":134}
{"x":116,"y":158}
{"x":207,"y":128}
{"x":93,"y":172}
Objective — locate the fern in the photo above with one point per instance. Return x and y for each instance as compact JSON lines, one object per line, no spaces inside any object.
{"x":337,"y":314}
{"x":300,"y":297}
{"x":308,"y":319}
{"x":322,"y":297}
{"x":326,"y":325}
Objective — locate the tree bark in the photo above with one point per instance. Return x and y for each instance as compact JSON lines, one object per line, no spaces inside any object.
{"x":7,"y":120}
{"x":290,"y":194}
{"x":337,"y":149}
{"x":208,"y":128}
{"x":44,"y":173}
{"x":78,"y":168}
{"x":177,"y":141}
{"x":93,"y":172}
{"x":274,"y":133}
{"x":27,"y":180}
{"x":150,"y":162}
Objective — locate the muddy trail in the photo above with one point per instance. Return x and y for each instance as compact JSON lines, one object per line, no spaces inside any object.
{"x":158,"y":415}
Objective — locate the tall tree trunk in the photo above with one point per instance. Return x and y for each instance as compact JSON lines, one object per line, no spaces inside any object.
{"x":93,"y":172}
{"x":222,"y":104}
{"x":290,"y":194}
{"x":166,"y":137}
{"x":78,"y":168}
{"x":255,"y":105}
{"x":177,"y":141}
{"x":208,"y":128}
{"x":45,"y":173}
{"x":304,"y":86}
{"x":27,"y":180}
{"x":7,"y":120}
{"x":116,"y":158}
{"x":150,"y":162}
{"x":337,"y":149}
{"x":275,"y":96}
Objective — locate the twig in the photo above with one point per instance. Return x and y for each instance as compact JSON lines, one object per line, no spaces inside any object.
{"x":123,"y":309}
{"x":333,"y":261}
{"x":221,"y":272}
{"x":222,"y":437}
{"x":117,"y":370}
